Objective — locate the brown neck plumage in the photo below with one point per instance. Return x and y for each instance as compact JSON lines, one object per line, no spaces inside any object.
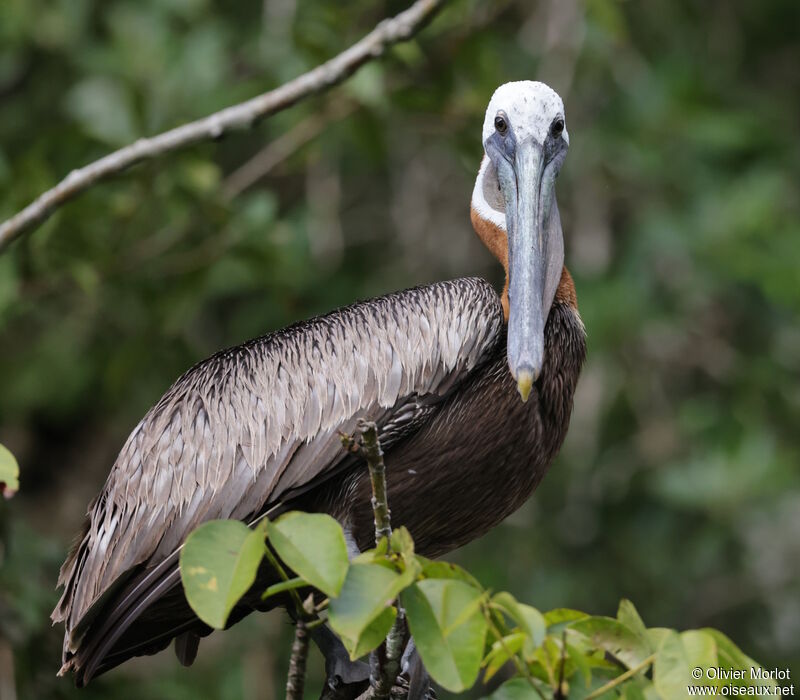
{"x":496,"y":240}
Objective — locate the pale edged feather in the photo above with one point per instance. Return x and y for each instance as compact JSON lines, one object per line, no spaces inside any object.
{"x":250,"y":424}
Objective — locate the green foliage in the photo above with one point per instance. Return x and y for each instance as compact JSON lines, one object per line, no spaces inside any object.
{"x":459,"y":627}
{"x":530,"y":621}
{"x":9,"y":473}
{"x":218,"y":563}
{"x":363,"y":613}
{"x":447,"y":621}
{"x":313,"y":545}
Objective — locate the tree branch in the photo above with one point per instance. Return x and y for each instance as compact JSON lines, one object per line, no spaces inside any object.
{"x":372,"y":452}
{"x":242,"y":116}
{"x":296,"y":680}
{"x":385,"y":666}
{"x":306,"y":615}
{"x":383,"y":672}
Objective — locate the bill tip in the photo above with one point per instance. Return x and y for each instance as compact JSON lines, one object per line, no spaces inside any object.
{"x":525,"y":381}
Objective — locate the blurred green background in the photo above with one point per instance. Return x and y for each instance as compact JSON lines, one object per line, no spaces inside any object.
{"x":678,"y":485}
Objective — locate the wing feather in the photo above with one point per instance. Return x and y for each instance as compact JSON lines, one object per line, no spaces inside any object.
{"x":250,"y":424}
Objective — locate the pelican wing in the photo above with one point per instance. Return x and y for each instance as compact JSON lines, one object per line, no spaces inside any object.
{"x":243,"y":429}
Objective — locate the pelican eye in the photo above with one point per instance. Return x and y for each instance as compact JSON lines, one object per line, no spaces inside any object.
{"x":501,"y":123}
{"x":557,"y":128}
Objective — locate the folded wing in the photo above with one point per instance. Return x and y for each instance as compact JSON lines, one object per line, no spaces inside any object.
{"x":244,"y":428}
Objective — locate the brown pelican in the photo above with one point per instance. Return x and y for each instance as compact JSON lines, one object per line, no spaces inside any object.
{"x":472,"y":393}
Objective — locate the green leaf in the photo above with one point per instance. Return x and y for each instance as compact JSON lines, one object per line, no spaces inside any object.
{"x":382,"y":547}
{"x":535,"y":624}
{"x":368,"y":590}
{"x":556,"y":620}
{"x":632,"y":690}
{"x":218,"y":565}
{"x":612,"y":636}
{"x":655,"y":635}
{"x":9,"y":473}
{"x":730,"y":656}
{"x":578,"y":657}
{"x":529,"y":619}
{"x":313,"y":546}
{"x":501,"y":652}
{"x":402,"y":543}
{"x":373,"y":556}
{"x":412,"y":570}
{"x":700,"y":649}
{"x":372,"y":635}
{"x":446,"y":570}
{"x":518,"y":689}
{"x":628,"y":616}
{"x":466,"y":612}
{"x":451,"y":648}
{"x":671,"y":672}
{"x":548,"y":657}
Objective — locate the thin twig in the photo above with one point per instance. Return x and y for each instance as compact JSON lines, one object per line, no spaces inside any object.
{"x":371,"y":449}
{"x":241,"y":116}
{"x":603,"y":689}
{"x":386,"y":672}
{"x":296,"y":680}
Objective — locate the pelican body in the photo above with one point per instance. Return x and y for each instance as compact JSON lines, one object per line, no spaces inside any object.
{"x":472,"y":393}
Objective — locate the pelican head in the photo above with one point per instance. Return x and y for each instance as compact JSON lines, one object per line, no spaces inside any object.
{"x":514,"y":211}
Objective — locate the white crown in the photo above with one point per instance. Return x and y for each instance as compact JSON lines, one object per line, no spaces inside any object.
{"x":531,"y":108}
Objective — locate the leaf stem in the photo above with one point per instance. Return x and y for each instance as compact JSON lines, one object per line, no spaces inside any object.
{"x":301,"y":613}
{"x":621,"y":678}
{"x":283,"y":586}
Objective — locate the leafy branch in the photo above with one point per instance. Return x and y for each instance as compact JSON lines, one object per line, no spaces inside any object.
{"x":245,"y":115}
{"x":460,"y":629}
{"x":383,"y":672}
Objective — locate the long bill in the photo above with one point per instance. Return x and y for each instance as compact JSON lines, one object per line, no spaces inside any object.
{"x":535,"y":249}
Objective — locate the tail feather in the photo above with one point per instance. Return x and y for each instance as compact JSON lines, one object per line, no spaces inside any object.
{"x":147,"y":615}
{"x":186,"y":646}
{"x":117,"y":624}
{"x":110,"y":634}
{"x":142,"y":612}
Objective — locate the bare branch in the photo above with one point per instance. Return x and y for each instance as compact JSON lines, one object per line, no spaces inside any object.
{"x":372,"y":452}
{"x":384,"y":671}
{"x":242,"y":116}
{"x":296,"y":680}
